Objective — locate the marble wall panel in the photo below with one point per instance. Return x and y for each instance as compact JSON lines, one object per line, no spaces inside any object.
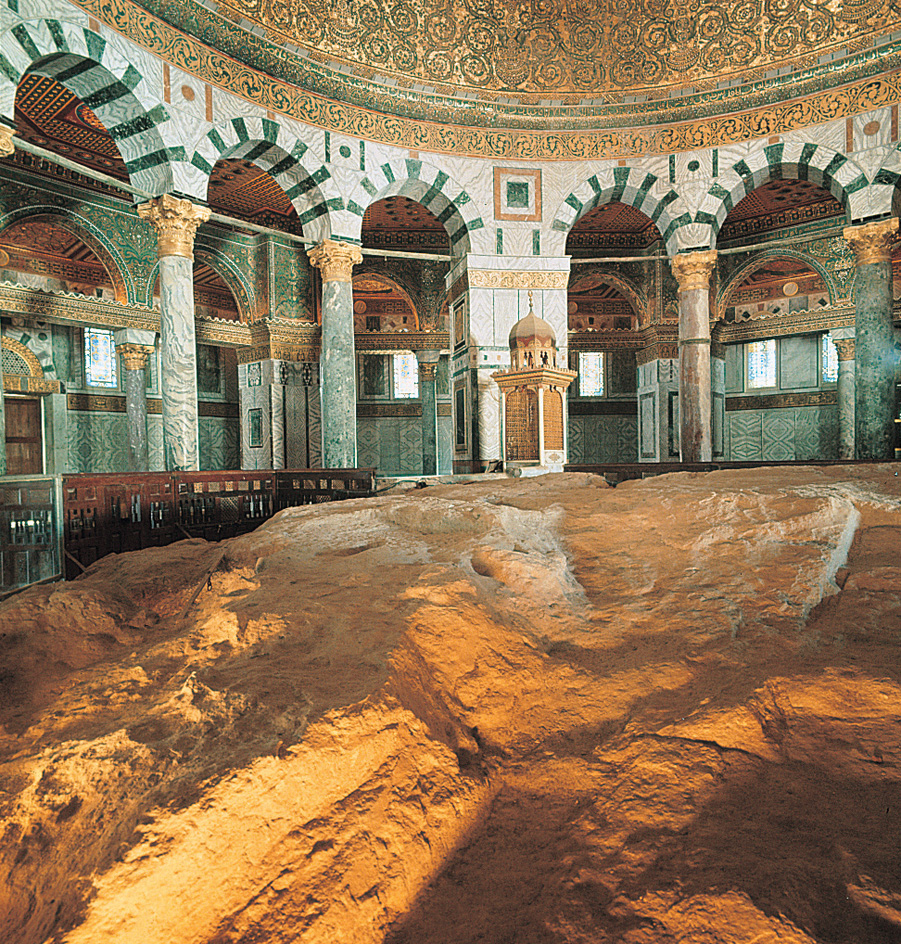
{"x":445,"y":445}
{"x":778,"y":435}
{"x":490,"y":447}
{"x":735,"y":369}
{"x":745,"y":436}
{"x":409,"y":431}
{"x":368,"y":442}
{"x":98,"y":442}
{"x":576,"y":439}
{"x":219,"y":442}
{"x":798,"y":361}
{"x":277,"y":424}
{"x":648,"y":409}
{"x":783,"y":435}
{"x":597,"y":439}
{"x":155,"y":443}
{"x":622,"y":373}
{"x":255,"y":398}
{"x":390,"y":444}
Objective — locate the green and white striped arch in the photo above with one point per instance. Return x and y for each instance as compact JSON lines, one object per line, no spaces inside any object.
{"x":307,"y":183}
{"x":97,"y":69}
{"x":841,"y":176}
{"x":633,"y":187}
{"x":429,"y":186}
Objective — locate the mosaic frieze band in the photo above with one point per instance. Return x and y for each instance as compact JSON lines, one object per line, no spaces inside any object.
{"x":97,"y":403}
{"x":491,"y":278}
{"x":780,"y":401}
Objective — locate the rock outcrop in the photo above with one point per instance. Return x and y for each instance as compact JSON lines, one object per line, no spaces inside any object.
{"x":519,"y":711}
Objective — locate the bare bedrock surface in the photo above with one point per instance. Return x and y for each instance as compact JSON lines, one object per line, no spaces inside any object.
{"x":512,"y":712}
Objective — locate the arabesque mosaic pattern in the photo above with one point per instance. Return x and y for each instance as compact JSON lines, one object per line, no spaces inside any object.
{"x":591,"y":129}
{"x":558,"y":46}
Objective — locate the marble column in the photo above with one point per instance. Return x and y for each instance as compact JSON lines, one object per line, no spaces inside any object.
{"x":874,"y":374}
{"x":337,"y":362}
{"x":176,"y":222}
{"x":692,"y":271}
{"x":428,"y":372}
{"x":845,"y":394}
{"x":6,"y":150}
{"x":134,"y":361}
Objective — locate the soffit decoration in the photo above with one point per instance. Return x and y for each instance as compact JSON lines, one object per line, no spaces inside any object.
{"x":545,"y":64}
{"x":777,"y":204}
{"x":49,"y":115}
{"x":401,"y":223}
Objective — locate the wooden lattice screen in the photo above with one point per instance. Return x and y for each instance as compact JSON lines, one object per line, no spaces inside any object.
{"x":521,"y":421}
{"x":553,"y":420}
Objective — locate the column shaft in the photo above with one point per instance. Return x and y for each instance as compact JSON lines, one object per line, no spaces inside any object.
{"x":338,"y":361}
{"x":874,"y":376}
{"x":134,"y":360}
{"x":176,"y":223}
{"x":2,"y":424}
{"x":136,"y":411}
{"x":695,"y":429}
{"x":845,"y":395}
{"x":178,"y":364}
{"x":429,"y":399}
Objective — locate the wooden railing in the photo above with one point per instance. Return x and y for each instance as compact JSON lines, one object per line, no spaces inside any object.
{"x":30,"y":531}
{"x":113,"y":512}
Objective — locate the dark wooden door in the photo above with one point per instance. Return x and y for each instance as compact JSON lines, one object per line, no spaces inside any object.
{"x":24,"y":442}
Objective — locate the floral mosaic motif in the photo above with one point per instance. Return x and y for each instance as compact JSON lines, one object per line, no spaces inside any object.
{"x":580,"y":128}
{"x":561,"y":46}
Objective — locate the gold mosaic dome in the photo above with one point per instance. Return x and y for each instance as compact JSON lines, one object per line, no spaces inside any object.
{"x":537,"y":78}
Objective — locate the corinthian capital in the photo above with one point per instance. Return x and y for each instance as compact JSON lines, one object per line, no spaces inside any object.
{"x":134,"y":356}
{"x":6,"y":141}
{"x":335,"y":259}
{"x":692,"y":269}
{"x":872,"y":242}
{"x":175,"y":222}
{"x":845,"y":348}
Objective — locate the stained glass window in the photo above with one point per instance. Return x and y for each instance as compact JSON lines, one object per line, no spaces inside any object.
{"x":99,"y":358}
{"x":762,"y":363}
{"x":830,"y":360}
{"x":591,"y":374}
{"x":406,"y":376}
